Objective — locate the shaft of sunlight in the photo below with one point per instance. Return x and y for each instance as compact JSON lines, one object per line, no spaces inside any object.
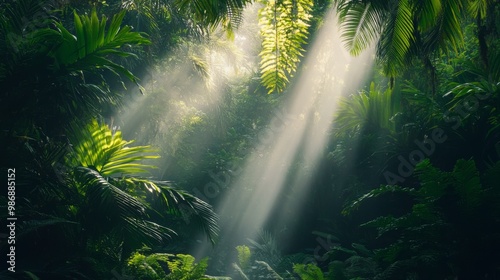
{"x":298,"y":133}
{"x":184,"y":89}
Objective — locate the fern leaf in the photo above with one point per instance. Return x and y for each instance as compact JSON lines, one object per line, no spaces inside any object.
{"x":284,"y":29}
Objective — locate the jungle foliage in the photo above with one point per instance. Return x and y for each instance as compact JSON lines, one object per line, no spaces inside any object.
{"x":407,"y":187}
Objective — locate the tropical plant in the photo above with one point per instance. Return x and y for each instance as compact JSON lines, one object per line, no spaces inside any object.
{"x":103,"y":165}
{"x":484,"y":86}
{"x":265,"y":248}
{"x":183,"y":267}
{"x":374,"y":110}
{"x":177,"y":267}
{"x":244,"y":256}
{"x":443,"y":226}
{"x":87,"y":49}
{"x":86,"y":199}
{"x":213,"y":13}
{"x":308,"y":271}
{"x":368,"y":130}
{"x":140,"y":266}
{"x":262,"y":263}
{"x":404,"y":29}
{"x":62,"y":72}
{"x":284,"y":29}
{"x":48,"y":227}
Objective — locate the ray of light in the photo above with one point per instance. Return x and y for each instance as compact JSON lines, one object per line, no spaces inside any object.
{"x":188,"y":85}
{"x":301,"y":135}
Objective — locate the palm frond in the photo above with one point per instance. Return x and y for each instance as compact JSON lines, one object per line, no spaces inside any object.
{"x":396,"y":39}
{"x":88,"y":48}
{"x":425,"y":107}
{"x":114,"y":210}
{"x":98,"y":147}
{"x":213,"y":13}
{"x":353,"y":112}
{"x":106,"y":197}
{"x":147,"y":232}
{"x":20,"y":23}
{"x":374,"y":108}
{"x":427,"y":13}
{"x":22,"y":13}
{"x":148,"y":13}
{"x":434,"y":181}
{"x":460,"y":92}
{"x":468,"y":186}
{"x":193,"y":209}
{"x":284,"y":29}
{"x":177,"y":202}
{"x":104,"y":165}
{"x":361,"y":24}
{"x":265,"y":247}
{"x":478,"y":8}
{"x":451,"y":35}
{"x":45,"y":175}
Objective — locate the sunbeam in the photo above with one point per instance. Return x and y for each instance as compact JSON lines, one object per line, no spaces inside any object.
{"x":300,"y":133}
{"x":188,"y":85}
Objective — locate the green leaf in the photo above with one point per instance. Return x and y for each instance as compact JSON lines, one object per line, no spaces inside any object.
{"x":308,"y":271}
{"x":397,"y":37}
{"x":361,"y":24}
{"x":88,"y":48}
{"x":284,"y":28}
{"x":98,"y":147}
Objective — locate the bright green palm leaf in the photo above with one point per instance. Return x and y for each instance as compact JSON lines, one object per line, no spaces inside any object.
{"x":284,"y":30}
{"x":406,"y":29}
{"x":108,"y":164}
{"x":397,"y":38}
{"x":98,"y":147}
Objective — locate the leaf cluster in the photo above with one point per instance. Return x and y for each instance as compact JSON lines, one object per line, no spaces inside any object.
{"x":447,"y":210}
{"x":163,"y":266}
{"x":284,"y":29}
{"x":402,"y":29}
{"x":54,"y":74}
